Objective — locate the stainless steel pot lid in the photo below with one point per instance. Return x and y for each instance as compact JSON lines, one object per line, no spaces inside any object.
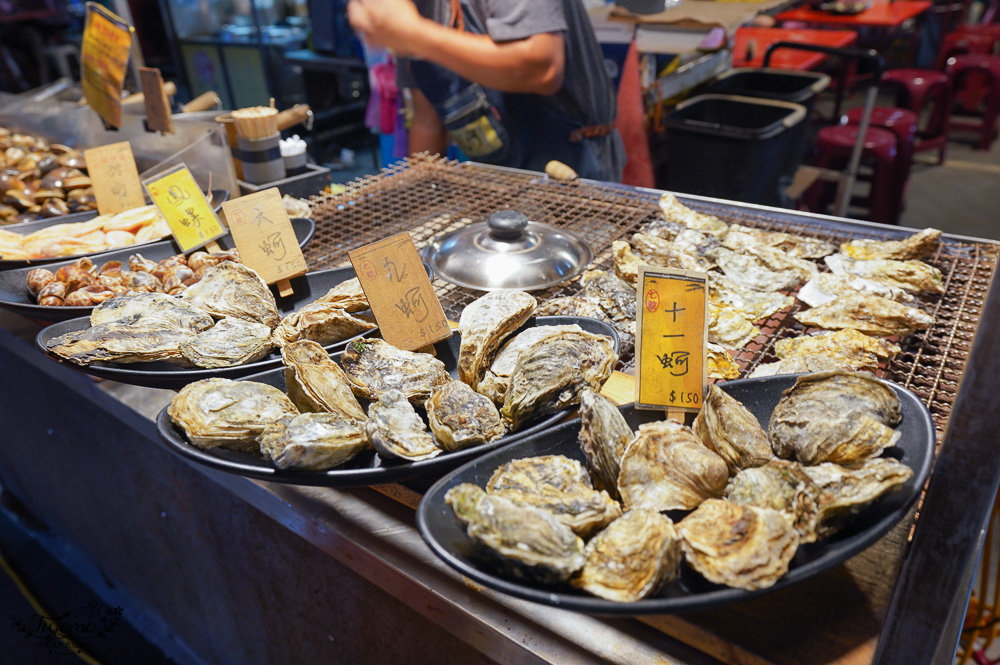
{"x":507,"y":251}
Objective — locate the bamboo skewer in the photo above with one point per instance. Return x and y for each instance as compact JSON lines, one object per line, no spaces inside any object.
{"x":256,"y":122}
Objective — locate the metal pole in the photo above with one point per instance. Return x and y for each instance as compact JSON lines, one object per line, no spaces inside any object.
{"x":846,"y":182}
{"x":121,"y":8}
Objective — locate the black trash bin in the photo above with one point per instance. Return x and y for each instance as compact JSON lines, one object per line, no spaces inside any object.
{"x":730,"y":147}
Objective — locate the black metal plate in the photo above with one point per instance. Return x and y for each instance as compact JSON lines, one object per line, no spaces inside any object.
{"x":219,"y":196}
{"x":368,"y":468}
{"x":14,"y":294}
{"x":438,"y":526}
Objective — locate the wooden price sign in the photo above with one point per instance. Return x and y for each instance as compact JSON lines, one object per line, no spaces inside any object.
{"x":103,"y":58}
{"x":265,"y":237}
{"x":191,"y":218}
{"x":672,"y":334}
{"x":115,"y":176}
{"x":402,"y":299}
{"x":158,"y":116}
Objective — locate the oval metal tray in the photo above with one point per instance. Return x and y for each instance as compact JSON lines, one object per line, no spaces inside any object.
{"x":444,"y":535}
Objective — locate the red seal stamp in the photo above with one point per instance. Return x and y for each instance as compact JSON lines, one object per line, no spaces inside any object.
{"x":652,"y":300}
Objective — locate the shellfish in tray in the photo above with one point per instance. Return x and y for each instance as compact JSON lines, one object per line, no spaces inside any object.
{"x":313,"y":441}
{"x":347,"y":295}
{"x":460,"y":417}
{"x":322,"y":322}
{"x":233,"y":289}
{"x":750,"y":304}
{"x":675,"y":211}
{"x":797,"y":246}
{"x":846,"y":492}
{"x":826,"y":287}
{"x":316,"y":383}
{"x":229,"y":342}
{"x":837,"y":416}
{"x":911,"y":275}
{"x":871,"y":315}
{"x":615,"y":296}
{"x":396,"y":431}
{"x":583,"y":306}
{"x":666,"y":467}
{"x":727,"y":328}
{"x":374,"y":366}
{"x":632,"y":558}
{"x":484,"y":324}
{"x":523,"y":541}
{"x":228,"y":414}
{"x":916,"y":246}
{"x":559,"y":485}
{"x":740,"y":546}
{"x":728,"y":429}
{"x":604,"y":435}
{"x":496,"y":380}
{"x":783,"y":486}
{"x":754,"y":274}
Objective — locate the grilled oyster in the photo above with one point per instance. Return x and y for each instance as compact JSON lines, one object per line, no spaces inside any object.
{"x":228,"y":414}
{"x":916,"y":246}
{"x":740,"y":546}
{"x":797,"y":246}
{"x":549,"y":376}
{"x":322,"y":322}
{"x":626,"y":262}
{"x":846,"y":492}
{"x":316,"y":383}
{"x":871,"y":315}
{"x":523,"y":541}
{"x":720,"y":364}
{"x":847,"y":343}
{"x":233,"y":289}
{"x":819,"y":363}
{"x":727,"y":428}
{"x":703,"y":247}
{"x":777,"y":260}
{"x":753,"y":273}
{"x":572,"y":306}
{"x":728,"y":328}
{"x":783,"y":486}
{"x":484,"y":324}
{"x":460,"y":417}
{"x":750,"y":304}
{"x":604,"y":434}
{"x":659,"y":252}
{"x":614,"y":296}
{"x":666,"y":467}
{"x":229,"y":342}
{"x":348,"y":295}
{"x":374,"y":366}
{"x":151,"y":310}
{"x":396,"y":430}
{"x":559,"y":485}
{"x":836,"y":416}
{"x":675,"y":211}
{"x":496,"y":380}
{"x":631,"y":559}
{"x":313,"y":441}
{"x":662,"y":228}
{"x":911,"y":275}
{"x":827,"y":286}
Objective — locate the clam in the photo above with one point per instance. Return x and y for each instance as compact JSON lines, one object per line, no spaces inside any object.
{"x":53,"y":208}
{"x":460,"y":418}
{"x":396,"y":430}
{"x":729,"y":429}
{"x":313,"y":441}
{"x":316,"y":383}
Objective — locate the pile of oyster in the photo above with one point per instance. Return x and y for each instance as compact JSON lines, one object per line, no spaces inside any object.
{"x":753,"y":496}
{"x":415,"y":410}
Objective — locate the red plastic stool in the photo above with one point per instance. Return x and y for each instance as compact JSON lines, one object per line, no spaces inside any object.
{"x":962,"y":42}
{"x":833,"y":150}
{"x":903,"y":124}
{"x":988,"y":68}
{"x":914,"y":89}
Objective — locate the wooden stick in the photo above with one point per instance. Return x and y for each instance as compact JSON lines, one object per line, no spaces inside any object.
{"x":138,"y":98}
{"x":202,"y":102}
{"x":284,"y":288}
{"x":213,"y":247}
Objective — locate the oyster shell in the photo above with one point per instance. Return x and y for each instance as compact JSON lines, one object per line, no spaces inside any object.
{"x":916,"y":246}
{"x":703,"y":247}
{"x":827,"y":286}
{"x":374,"y":366}
{"x":322,"y":322}
{"x":846,"y":492}
{"x":549,"y":376}
{"x":750,"y":304}
{"x":836,"y":416}
{"x":911,"y":275}
{"x":783,"y":486}
{"x":666,"y":467}
{"x":233,"y":289}
{"x":559,"y":485}
{"x":604,"y":435}
{"x":728,"y":328}
{"x":229,"y":342}
{"x":615,"y":297}
{"x":151,"y":310}
{"x":847,"y":343}
{"x":797,"y":246}
{"x":871,"y":315}
{"x":396,"y":430}
{"x":727,"y":428}
{"x":461,"y":418}
{"x":720,"y":364}
{"x":523,"y":541}
{"x":675,"y":211}
{"x":819,"y":363}
{"x":583,"y":306}
{"x":313,"y":441}
{"x":484,"y":324}
{"x":662,"y":228}
{"x":316,"y":383}
{"x":740,"y":546}
{"x":496,"y":380}
{"x":777,"y":260}
{"x":626,"y":262}
{"x":228,"y":414}
{"x":632,"y":558}
{"x":753,"y":273}
{"x":348,"y":296}
{"x":659,"y":252}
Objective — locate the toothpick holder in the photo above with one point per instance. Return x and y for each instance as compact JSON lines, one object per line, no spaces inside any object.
{"x":262,"y":160}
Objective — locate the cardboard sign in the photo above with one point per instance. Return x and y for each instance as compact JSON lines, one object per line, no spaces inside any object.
{"x":103,"y":58}
{"x":191,"y":218}
{"x":402,"y":299}
{"x":264,"y":235}
{"x":671,"y":337}
{"x":158,"y":115}
{"x":116,"y":179}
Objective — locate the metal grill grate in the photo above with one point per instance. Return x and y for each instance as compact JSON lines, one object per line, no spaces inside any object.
{"x":429,"y":196}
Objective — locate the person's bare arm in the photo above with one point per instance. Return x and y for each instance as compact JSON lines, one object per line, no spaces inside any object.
{"x":532,"y":65}
{"x":426,"y":133}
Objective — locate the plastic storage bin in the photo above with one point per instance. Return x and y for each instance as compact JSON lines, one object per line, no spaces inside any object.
{"x":731,"y":147}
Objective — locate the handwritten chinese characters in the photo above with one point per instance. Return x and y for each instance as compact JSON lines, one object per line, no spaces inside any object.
{"x":191,"y":218}
{"x":264,"y":235}
{"x":402,"y":299}
{"x":103,"y":57}
{"x":116,"y":178}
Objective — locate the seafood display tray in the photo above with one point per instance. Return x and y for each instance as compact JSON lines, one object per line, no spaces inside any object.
{"x":368,"y":468}
{"x":14,"y":295}
{"x":442,"y":532}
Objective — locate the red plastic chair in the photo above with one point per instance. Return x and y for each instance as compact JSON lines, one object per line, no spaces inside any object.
{"x":987,"y":68}
{"x":903,"y":124}
{"x":917,"y":88}
{"x":833,"y":150}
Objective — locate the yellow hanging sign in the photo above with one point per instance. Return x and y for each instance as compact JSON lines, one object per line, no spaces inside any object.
{"x":191,"y":218}
{"x":103,"y":58}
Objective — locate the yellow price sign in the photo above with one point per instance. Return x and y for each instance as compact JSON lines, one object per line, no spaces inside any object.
{"x":107,"y":39}
{"x":115,"y":176}
{"x":672,"y":334}
{"x":187,"y":211}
